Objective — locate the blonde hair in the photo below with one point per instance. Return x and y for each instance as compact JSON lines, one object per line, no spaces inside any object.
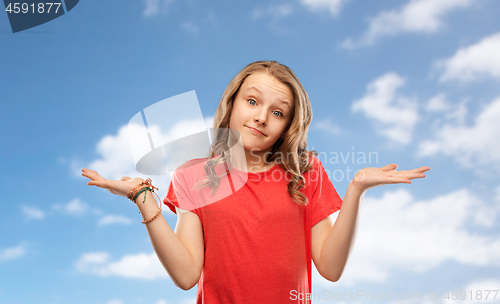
{"x":292,"y":142}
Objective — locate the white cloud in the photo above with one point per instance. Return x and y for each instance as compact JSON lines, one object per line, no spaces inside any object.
{"x":327,"y":126}
{"x":483,"y":285}
{"x":139,"y":266}
{"x":115,"y":156}
{"x":394,"y":115}
{"x":75,"y":207}
{"x":115,"y":153}
{"x":397,"y":232}
{"x":154,"y":7}
{"x":275,"y":11}
{"x":459,"y":114}
{"x":442,"y":107}
{"x":188,"y":301}
{"x":424,"y":16}
{"x":114,"y":302}
{"x":469,"y":145}
{"x":209,"y":121}
{"x":438,"y":103}
{"x":12,"y":253}
{"x":473,"y":62}
{"x":332,"y":6}
{"x":113,"y":219}
{"x":32,"y":213}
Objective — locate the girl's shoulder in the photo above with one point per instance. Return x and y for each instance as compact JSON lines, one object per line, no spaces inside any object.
{"x":190,"y":165}
{"x":195,"y":169}
{"x":192,"y":162}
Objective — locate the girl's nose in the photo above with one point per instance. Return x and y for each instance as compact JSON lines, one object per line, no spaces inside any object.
{"x":261,"y":117}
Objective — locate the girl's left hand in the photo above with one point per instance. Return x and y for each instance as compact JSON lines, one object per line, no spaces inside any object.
{"x":368,"y":178}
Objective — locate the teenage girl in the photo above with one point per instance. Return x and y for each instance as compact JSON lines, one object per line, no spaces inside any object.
{"x":256,"y":245}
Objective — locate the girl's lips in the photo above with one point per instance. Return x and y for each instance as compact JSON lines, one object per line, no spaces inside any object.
{"x":255,"y":130}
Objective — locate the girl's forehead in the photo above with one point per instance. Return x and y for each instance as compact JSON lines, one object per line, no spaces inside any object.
{"x":265,"y":83}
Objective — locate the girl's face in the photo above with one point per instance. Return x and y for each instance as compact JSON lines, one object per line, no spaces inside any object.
{"x":261,"y":111}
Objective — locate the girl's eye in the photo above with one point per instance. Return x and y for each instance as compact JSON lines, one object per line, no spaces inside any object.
{"x":253,"y":102}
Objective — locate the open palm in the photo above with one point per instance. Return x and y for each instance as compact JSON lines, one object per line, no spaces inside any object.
{"x":368,"y":178}
{"x":121,"y":187}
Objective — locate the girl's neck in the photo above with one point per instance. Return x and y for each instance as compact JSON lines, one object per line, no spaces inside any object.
{"x":256,"y":161}
{"x":249,"y":161}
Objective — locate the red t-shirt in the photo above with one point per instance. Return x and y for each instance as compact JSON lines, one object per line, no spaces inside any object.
{"x":257,"y":240}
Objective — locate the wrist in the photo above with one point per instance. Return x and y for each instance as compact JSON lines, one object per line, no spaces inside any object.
{"x":141,"y":188}
{"x":356,"y":187}
{"x":140,"y":196}
{"x":140,"y":193}
{"x":149,"y":207}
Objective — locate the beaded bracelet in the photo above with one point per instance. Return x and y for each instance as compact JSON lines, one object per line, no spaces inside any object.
{"x":145,"y":184}
{"x":144,"y":187}
{"x":151,"y":219}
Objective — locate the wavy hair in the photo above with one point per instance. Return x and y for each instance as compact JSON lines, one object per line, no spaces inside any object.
{"x":292,"y":142}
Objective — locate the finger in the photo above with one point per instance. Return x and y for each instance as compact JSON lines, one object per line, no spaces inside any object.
{"x":417,"y":176}
{"x":421,"y":169}
{"x":97,"y":183}
{"x":93,"y":175}
{"x":389,"y":167}
{"x":125,"y":178}
{"x":414,"y":176}
{"x":409,"y":175}
{"x":399,"y":180}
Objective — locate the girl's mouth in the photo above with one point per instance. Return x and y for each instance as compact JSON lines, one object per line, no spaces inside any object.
{"x":257,"y":131}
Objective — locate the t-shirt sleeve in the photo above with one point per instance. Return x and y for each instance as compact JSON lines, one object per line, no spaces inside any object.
{"x":325,"y":199}
{"x":179,"y":194}
{"x":170,"y":199}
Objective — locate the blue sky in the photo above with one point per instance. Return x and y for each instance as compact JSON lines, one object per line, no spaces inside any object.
{"x":415,"y":82}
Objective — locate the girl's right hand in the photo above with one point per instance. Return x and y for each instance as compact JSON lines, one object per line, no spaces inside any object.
{"x":121,"y":187}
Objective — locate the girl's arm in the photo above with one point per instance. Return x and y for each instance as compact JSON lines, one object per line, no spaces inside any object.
{"x":181,"y":253}
{"x":332,"y":244}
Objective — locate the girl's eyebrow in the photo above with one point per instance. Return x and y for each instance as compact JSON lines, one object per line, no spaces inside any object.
{"x":260,"y":92}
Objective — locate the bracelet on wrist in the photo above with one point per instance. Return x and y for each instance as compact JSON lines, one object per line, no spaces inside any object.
{"x":145,"y":186}
{"x":151,"y":219}
{"x":140,"y":191}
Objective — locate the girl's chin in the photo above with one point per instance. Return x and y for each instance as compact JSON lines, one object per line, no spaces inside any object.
{"x":257,"y":150}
